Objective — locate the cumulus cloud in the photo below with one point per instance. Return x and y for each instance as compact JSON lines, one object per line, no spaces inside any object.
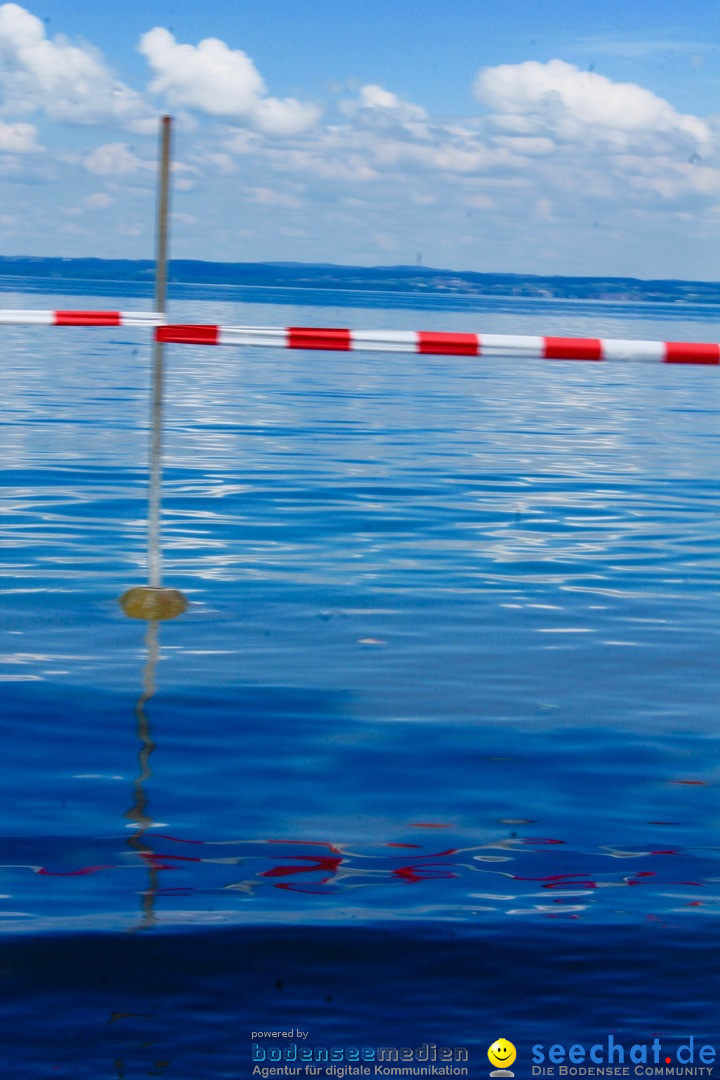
{"x":221,"y":161}
{"x":382,"y":110}
{"x":116,"y":159}
{"x":68,"y":82}
{"x":329,"y":158}
{"x":18,"y":138}
{"x":570,"y":105}
{"x":552,"y":136}
{"x":219,"y":81}
{"x":388,"y":140}
{"x":598,"y":139}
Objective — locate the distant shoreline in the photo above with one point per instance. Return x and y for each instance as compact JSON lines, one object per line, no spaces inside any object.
{"x":414,"y":280}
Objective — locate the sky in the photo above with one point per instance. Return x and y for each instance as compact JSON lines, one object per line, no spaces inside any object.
{"x":571,"y":137}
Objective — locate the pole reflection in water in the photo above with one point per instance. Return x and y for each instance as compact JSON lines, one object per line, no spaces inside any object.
{"x":154,"y":605}
{"x":138,"y":812}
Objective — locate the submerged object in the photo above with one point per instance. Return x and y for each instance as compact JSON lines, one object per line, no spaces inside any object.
{"x":152,"y":603}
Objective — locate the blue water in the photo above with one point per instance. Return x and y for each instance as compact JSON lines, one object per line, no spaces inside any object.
{"x":432,"y":753}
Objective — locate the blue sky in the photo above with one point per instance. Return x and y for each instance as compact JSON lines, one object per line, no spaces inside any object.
{"x":531,"y":137}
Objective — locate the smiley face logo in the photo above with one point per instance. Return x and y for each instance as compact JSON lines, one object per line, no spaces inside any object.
{"x":502,"y":1053}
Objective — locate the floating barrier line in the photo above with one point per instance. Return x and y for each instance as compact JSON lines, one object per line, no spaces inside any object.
{"x":509,"y":346}
{"x":82,"y":318}
{"x":442,"y":344}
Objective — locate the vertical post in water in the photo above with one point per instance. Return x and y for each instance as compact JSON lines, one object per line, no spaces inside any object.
{"x":152,"y":601}
{"x":156,"y":407}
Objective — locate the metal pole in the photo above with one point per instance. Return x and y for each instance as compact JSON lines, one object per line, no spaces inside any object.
{"x":156,"y":407}
{"x":152,"y":601}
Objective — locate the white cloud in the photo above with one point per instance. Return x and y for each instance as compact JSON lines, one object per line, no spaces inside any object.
{"x":556,"y":137}
{"x":209,"y":77}
{"x":68,"y":82}
{"x":559,"y":100}
{"x":219,"y":81}
{"x":382,"y":139}
{"x":381,"y":109}
{"x":222,"y":162}
{"x":18,"y":138}
{"x":330,"y":157}
{"x":284,"y":117}
{"x":116,"y":159}
{"x":444,"y":154}
{"x":528,"y":146}
{"x":266,"y":196}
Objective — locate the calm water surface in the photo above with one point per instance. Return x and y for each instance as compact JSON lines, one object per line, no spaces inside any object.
{"x":434,"y":750}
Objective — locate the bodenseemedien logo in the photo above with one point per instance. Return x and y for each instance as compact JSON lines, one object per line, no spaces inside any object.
{"x":501,"y":1054}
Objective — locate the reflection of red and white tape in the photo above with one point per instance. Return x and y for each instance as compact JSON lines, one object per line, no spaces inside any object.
{"x":81,"y":318}
{"x":421,"y":341}
{"x":394,"y":341}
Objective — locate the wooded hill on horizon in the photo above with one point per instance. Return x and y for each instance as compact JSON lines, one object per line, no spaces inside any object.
{"x":407,"y":279}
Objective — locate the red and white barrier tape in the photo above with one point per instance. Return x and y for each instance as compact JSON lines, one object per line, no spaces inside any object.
{"x":396,"y":341}
{"x":82,"y":318}
{"x":421,"y":341}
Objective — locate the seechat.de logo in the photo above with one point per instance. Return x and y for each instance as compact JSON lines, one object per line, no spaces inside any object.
{"x":501,"y":1054}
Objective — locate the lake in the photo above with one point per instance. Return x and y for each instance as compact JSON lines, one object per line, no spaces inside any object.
{"x":432,"y":756}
